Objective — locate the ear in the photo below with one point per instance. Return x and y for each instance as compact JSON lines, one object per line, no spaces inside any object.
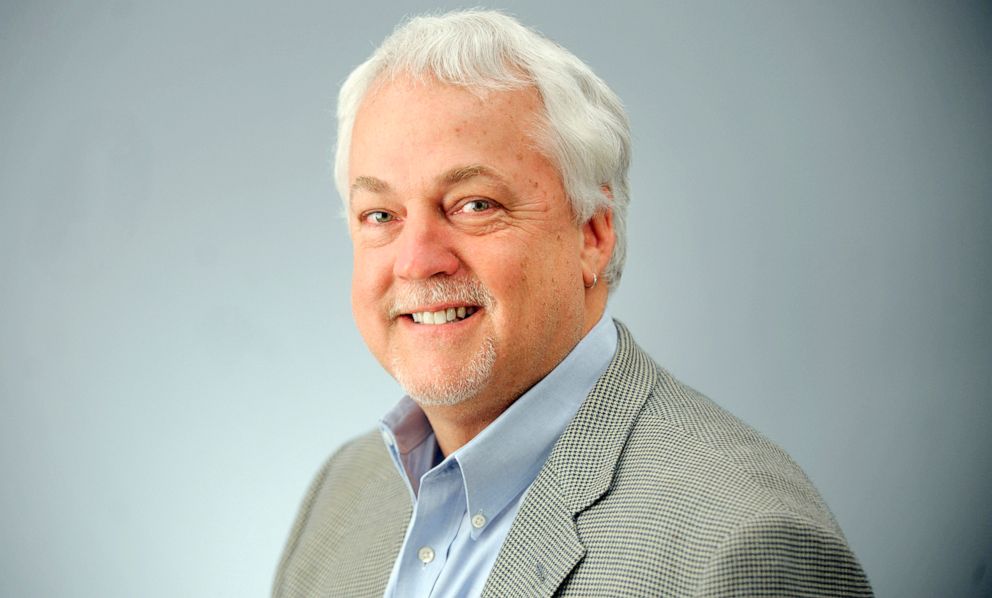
{"x":598,"y":239}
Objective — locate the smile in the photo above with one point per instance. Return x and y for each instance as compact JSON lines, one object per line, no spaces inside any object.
{"x":443,"y":316}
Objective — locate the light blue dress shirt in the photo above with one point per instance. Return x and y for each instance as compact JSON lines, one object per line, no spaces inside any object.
{"x":464,"y":505}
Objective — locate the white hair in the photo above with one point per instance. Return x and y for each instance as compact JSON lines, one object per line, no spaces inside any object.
{"x":586,"y":133}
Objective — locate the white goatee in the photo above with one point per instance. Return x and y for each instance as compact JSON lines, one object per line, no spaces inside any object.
{"x":435,"y":388}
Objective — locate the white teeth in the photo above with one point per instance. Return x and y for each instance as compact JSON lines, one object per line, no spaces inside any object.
{"x":443,"y":316}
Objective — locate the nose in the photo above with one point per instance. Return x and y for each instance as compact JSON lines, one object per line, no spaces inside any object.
{"x":424,"y":248}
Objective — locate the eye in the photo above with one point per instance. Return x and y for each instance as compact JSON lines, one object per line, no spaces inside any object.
{"x":377,"y":217}
{"x":477,"y":205}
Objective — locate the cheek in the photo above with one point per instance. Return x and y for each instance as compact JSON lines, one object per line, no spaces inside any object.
{"x":371,"y":269}
{"x":359,"y":306}
{"x":368,"y":286}
{"x":510,"y":272}
{"x":368,"y":312}
{"x":537,"y":266}
{"x":557,"y":261}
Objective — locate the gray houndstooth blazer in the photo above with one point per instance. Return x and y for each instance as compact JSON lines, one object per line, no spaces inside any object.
{"x":652,"y":490}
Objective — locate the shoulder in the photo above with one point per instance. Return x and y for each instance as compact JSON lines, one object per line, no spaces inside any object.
{"x":349,"y":525}
{"x":350,"y":468}
{"x":348,"y":473}
{"x":710,"y":451}
{"x":365,"y":455}
{"x":702,"y":504}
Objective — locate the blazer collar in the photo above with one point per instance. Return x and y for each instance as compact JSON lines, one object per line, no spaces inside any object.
{"x":543,"y":545}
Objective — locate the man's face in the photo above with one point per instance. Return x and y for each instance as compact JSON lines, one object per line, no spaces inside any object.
{"x":455,"y":212}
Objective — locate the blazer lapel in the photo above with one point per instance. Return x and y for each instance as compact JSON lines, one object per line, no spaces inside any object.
{"x":541,"y":548}
{"x":544,"y":545}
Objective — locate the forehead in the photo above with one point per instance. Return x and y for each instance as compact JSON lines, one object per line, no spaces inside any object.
{"x":416,"y":93}
{"x":403,"y":119}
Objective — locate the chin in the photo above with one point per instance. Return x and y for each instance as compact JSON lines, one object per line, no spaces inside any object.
{"x":443,"y":389}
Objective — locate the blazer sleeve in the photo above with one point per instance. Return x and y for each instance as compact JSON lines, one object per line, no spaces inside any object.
{"x":783,"y":554}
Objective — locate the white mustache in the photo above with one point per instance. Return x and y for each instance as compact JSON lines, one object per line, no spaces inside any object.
{"x":439,"y":290}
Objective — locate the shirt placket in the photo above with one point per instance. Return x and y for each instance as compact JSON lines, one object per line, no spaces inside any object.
{"x":439,"y":510}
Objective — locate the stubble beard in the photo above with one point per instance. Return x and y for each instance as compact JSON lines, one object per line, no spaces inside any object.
{"x":434,"y":388}
{"x":437,"y":390}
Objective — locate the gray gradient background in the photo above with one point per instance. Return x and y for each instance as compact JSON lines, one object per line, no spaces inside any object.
{"x":810,"y":245}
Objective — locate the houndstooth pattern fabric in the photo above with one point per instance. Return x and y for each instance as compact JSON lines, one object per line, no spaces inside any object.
{"x":350,"y":527}
{"x":652,"y":490}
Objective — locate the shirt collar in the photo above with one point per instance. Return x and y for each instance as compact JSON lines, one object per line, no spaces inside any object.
{"x":505,"y":457}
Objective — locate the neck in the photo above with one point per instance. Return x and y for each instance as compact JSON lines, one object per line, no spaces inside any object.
{"x":454,"y":426}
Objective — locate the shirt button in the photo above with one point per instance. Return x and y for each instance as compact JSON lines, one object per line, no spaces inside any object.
{"x":478,"y":520}
{"x":425,"y":554}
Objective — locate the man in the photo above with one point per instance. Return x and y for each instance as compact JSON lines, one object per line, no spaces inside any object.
{"x":539,"y":451}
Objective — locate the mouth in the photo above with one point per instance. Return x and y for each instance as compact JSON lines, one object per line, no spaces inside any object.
{"x":442,"y":316}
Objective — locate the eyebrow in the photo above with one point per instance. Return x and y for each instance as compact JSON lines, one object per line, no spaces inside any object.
{"x":463,"y":173}
{"x":454,"y":176}
{"x":370,"y":183}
